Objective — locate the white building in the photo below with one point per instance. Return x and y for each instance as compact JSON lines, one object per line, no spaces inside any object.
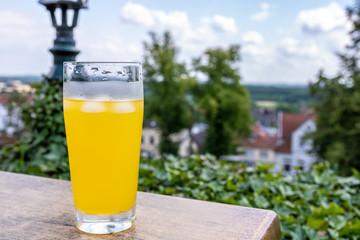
{"x":293,"y":147}
{"x":288,"y":149}
{"x":183,"y":139}
{"x":260,"y":147}
{"x":151,"y":139}
{"x":150,"y":142}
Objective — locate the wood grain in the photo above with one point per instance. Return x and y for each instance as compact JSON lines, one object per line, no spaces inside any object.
{"x":41,"y":208}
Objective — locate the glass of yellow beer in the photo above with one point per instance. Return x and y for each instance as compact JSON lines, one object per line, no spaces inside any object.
{"x":103,"y":111}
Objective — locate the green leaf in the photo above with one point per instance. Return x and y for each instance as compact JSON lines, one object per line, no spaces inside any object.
{"x":161,"y":175}
{"x":206,"y":175}
{"x":331,"y":209}
{"x":337,"y":222}
{"x":230,"y":186}
{"x":169,"y":190}
{"x":261,"y":201}
{"x":215,"y":186}
{"x":316,"y":223}
{"x":286,"y":190}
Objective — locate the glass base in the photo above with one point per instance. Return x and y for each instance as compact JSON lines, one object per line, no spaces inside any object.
{"x":104,"y":224}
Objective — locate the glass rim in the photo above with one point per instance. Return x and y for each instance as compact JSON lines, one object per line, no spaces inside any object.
{"x":103,"y":62}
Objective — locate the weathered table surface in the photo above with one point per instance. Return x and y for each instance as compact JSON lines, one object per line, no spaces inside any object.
{"x":41,"y":208}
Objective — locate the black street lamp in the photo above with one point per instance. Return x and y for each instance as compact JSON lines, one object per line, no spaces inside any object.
{"x":64,"y":44}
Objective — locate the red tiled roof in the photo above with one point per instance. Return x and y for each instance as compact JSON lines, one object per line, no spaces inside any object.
{"x":289,"y":122}
{"x":259,"y":139}
{"x":4,"y":98}
{"x":7,"y":140}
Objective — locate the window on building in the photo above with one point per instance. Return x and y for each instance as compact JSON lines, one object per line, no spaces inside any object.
{"x":301,"y":164}
{"x":287,"y":167}
{"x":152,"y":140}
{"x":249,"y":153}
{"x":302,"y":141}
{"x":305,"y":140}
{"x":142,"y":139}
{"x":264,"y":154}
{"x":250,"y":163}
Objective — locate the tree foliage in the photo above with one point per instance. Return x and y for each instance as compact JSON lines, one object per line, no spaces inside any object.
{"x":287,"y":107}
{"x":43,"y":150}
{"x":337,"y":137}
{"x":298,"y":95}
{"x":225,"y":103}
{"x":165,"y":101}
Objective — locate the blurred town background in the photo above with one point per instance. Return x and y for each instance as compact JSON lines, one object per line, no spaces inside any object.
{"x":272,"y":108}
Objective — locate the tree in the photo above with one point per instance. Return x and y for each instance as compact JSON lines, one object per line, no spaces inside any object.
{"x":225,"y":103}
{"x":337,"y":138}
{"x":287,"y":107}
{"x":165,"y":98}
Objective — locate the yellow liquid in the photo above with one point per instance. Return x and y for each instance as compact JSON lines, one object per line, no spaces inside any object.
{"x":104,"y":141}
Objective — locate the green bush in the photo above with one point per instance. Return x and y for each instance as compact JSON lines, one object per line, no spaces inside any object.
{"x":42,"y":150}
{"x":311,"y":205}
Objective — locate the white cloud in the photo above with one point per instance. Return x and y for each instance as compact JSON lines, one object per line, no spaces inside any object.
{"x":16,"y":26}
{"x":263,"y":14}
{"x":137,"y":14}
{"x":253,"y":45}
{"x":178,"y":20}
{"x":13,"y":19}
{"x":253,"y":38}
{"x":140,"y":15}
{"x":221,"y":23}
{"x":110,"y":49}
{"x":293,"y":48}
{"x":192,"y":40}
{"x":173,"y":20}
{"x":298,"y":58}
{"x":252,"y":50}
{"x":23,"y":43}
{"x":283,"y":70}
{"x":324,"y":19}
{"x":329,"y":26}
{"x":338,"y":40}
{"x":290,"y":64}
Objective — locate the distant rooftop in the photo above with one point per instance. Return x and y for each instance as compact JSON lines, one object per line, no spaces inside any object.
{"x":289,"y":122}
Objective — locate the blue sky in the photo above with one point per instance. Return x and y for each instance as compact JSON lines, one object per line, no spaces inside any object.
{"x":281,"y":41}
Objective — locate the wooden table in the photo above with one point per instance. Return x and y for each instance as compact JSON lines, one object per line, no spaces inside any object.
{"x":41,"y":208}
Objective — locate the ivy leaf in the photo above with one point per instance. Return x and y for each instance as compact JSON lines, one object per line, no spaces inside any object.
{"x":316,"y":223}
{"x":206,"y":175}
{"x":215,"y":186}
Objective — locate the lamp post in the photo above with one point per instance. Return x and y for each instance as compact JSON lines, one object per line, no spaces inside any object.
{"x":64,"y":44}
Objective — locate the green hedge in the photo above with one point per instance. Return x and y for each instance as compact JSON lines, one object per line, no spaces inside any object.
{"x":311,"y":205}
